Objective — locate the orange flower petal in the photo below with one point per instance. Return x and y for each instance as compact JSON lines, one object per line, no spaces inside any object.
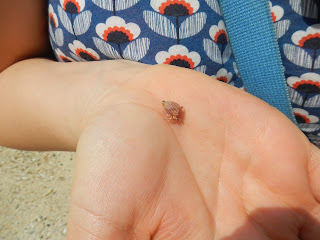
{"x":220,"y":32}
{"x":79,"y":50}
{"x":308,"y":37}
{"x":179,"y":57}
{"x":307,"y":120}
{"x":302,"y":82}
{"x":223,"y":79}
{"x":72,"y":1}
{"x":63,"y":58}
{"x":51,"y":17}
{"x":164,"y":5}
{"x":274,"y":18}
{"x":116,"y":28}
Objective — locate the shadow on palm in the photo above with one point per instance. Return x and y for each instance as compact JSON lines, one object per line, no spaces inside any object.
{"x":274,"y":223}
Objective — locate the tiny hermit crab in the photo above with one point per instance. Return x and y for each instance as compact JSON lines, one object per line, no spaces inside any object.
{"x":173,"y":111}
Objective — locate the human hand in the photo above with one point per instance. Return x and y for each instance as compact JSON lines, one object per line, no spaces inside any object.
{"x":236,"y":169}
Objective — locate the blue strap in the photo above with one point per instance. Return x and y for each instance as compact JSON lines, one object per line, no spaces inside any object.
{"x":256,"y":51}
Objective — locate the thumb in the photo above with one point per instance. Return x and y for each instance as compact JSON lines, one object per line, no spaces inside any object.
{"x":109,"y":189}
{"x":122,"y":192}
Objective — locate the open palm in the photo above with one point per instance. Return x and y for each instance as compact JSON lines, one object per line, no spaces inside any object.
{"x":236,"y":169}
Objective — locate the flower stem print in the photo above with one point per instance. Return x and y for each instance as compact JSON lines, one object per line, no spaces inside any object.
{"x":117,"y":32}
{"x":306,"y":8}
{"x":81,"y":53}
{"x":305,"y":53}
{"x":75,"y":35}
{"x":115,"y":5}
{"x":219,"y":49}
{"x":167,"y":9}
{"x":73,"y":7}
{"x":305,"y":99}
{"x":219,"y":35}
{"x":281,"y":26}
{"x":180,"y":56}
{"x":177,"y":28}
{"x":56,"y":33}
{"x":309,"y":40}
{"x":314,"y":57}
{"x":120,"y":51}
{"x":175,"y":8}
{"x":308,"y":84}
{"x":79,"y":21}
{"x":223,"y":46}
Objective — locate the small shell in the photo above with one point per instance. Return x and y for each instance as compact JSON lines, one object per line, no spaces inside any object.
{"x":173,"y":110}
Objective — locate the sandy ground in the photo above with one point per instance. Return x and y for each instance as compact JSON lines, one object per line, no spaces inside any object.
{"x":34,"y":194}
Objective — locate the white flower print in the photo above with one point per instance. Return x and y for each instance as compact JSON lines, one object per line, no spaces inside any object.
{"x":305,"y":90}
{"x":55,"y":32}
{"x":219,"y":49}
{"x":202,"y":68}
{"x":305,"y":51}
{"x":175,"y":7}
{"x":236,"y":70}
{"x":303,"y":116}
{"x":72,"y":18}
{"x":309,"y":127}
{"x":281,"y":26}
{"x":73,"y":6}
{"x":306,"y":8}
{"x":223,"y":75}
{"x":115,"y":30}
{"x":276,"y":12}
{"x":80,"y":50}
{"x":53,"y":19}
{"x":179,"y":55}
{"x":214,"y":4}
{"x":62,"y":57}
{"x":301,"y":57}
{"x":315,"y":139}
{"x":160,"y":21}
{"x":309,"y":38}
{"x":218,"y":33}
{"x":308,"y":83}
{"x":115,"y":5}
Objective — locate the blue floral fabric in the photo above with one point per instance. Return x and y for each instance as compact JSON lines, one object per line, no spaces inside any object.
{"x":190,"y":34}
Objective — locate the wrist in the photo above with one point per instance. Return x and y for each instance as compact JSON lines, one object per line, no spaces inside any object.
{"x":102,"y":85}
{"x":37,"y":103}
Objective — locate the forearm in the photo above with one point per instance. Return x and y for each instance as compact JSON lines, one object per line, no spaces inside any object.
{"x":38,"y":105}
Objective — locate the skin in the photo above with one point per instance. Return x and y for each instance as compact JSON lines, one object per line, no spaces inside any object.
{"x":225,"y":174}
{"x":228,"y":173}
{"x":237,"y":168}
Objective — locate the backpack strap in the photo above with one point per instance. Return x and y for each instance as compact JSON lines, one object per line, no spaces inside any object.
{"x":256,"y":51}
